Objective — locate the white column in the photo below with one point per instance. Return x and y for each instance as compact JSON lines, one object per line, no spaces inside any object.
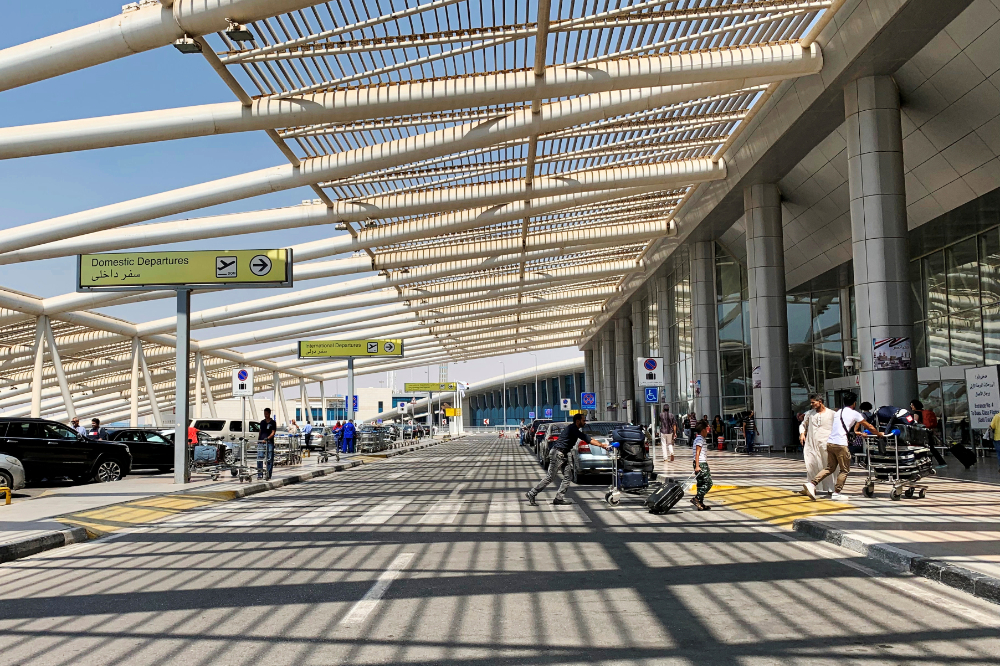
{"x":608,"y":371}
{"x":589,"y":375}
{"x":638,"y":340}
{"x":768,"y":314}
{"x":208,"y":391}
{"x":67,"y":396}
{"x":663,"y":334}
{"x":322,"y":402}
{"x":706,"y":334}
{"x":304,"y":401}
{"x":182,"y":378}
{"x":150,"y":389}
{"x":197,"y":386}
{"x":879,"y":233}
{"x":36,"y":375}
{"x":253,"y":409}
{"x":624,"y":358}
{"x":133,"y":414}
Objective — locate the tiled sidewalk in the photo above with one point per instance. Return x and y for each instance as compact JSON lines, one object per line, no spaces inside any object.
{"x":957,"y":523}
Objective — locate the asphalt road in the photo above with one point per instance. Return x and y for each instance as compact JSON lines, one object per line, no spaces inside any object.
{"x":435,"y":558}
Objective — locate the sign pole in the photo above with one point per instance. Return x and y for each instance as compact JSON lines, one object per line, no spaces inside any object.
{"x":182,"y":379}
{"x":350,"y":388}
{"x":430,"y":419}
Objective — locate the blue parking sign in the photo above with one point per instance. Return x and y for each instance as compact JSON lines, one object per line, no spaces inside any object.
{"x":588,"y":400}
{"x":355,"y":403}
{"x":548,"y":413}
{"x":531,"y":415}
{"x":652,"y":395}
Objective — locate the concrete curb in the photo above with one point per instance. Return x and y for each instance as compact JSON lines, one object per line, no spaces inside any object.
{"x":971,"y":582}
{"x":16,"y":550}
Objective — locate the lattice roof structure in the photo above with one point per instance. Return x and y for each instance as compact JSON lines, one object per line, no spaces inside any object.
{"x":493,"y":173}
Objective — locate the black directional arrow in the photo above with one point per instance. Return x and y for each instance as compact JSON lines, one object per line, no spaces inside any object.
{"x":260,"y":265}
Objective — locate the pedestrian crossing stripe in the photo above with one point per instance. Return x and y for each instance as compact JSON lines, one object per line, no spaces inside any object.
{"x":322,"y":514}
{"x":442,"y":512}
{"x":504,"y":510}
{"x":379,"y":514}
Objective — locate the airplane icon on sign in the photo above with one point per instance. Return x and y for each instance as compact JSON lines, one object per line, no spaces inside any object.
{"x":225,"y":267}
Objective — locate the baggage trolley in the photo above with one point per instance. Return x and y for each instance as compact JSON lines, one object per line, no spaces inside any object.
{"x":900,"y":465}
{"x":240,"y":468}
{"x":208,"y":458}
{"x":638,"y":486}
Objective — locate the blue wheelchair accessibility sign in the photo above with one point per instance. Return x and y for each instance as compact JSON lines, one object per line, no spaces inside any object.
{"x":652,"y":395}
{"x":588,"y":400}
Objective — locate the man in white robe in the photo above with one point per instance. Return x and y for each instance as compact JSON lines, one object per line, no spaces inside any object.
{"x":814,"y":433}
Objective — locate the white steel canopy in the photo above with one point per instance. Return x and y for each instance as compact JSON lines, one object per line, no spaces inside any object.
{"x":489,"y":172}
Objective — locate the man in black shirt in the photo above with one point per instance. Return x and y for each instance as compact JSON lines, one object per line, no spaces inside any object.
{"x":265,"y":445}
{"x":558,"y":460}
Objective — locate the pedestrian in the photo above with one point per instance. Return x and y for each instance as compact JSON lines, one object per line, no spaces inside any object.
{"x":846,"y":423}
{"x":293,"y":427}
{"x":307,"y":435}
{"x":265,"y":445}
{"x":703,"y":475}
{"x":558,"y":460}
{"x":995,"y":434}
{"x":750,"y":431}
{"x":668,"y":431}
{"x":347,"y":436}
{"x":814,"y":433}
{"x":75,"y":423}
{"x":96,"y":431}
{"x":689,"y":428}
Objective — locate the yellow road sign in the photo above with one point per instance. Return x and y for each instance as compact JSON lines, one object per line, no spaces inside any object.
{"x":452,"y":411}
{"x":411,"y":387}
{"x":349,"y":348}
{"x":216,"y":269}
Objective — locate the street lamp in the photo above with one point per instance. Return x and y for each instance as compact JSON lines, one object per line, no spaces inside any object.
{"x":504,"y":393}
{"x":536,"y":384}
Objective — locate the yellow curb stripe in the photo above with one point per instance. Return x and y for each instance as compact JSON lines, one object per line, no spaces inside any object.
{"x":775,"y":505}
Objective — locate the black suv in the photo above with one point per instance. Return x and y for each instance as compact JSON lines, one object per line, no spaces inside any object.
{"x":48,"y":449}
{"x":148,"y":446}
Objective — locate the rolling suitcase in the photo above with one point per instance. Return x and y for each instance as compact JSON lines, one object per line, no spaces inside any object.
{"x":664,"y":499}
{"x":963,"y":455}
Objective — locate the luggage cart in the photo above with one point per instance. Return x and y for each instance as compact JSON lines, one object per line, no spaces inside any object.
{"x":240,"y":468}
{"x":287,"y":449}
{"x":208,"y":458}
{"x":637,"y":486}
{"x":898,"y":464}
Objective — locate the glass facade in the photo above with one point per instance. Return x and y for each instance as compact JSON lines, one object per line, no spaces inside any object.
{"x":956,"y":302}
{"x":521,"y":399}
{"x":680,"y":334}
{"x":734,"y":332}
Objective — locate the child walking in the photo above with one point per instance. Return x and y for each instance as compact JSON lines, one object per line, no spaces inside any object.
{"x":700,"y":461}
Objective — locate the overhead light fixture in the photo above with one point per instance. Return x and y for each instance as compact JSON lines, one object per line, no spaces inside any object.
{"x":187,"y":45}
{"x":238,"y":32}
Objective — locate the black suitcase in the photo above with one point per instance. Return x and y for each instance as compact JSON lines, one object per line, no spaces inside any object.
{"x":963,"y":455}
{"x":664,"y":499}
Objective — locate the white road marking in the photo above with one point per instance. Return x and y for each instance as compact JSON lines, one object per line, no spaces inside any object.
{"x":504,"y":510}
{"x":257,"y":517}
{"x":458,"y":489}
{"x":397,"y":475}
{"x":567,"y":515}
{"x":363,"y":608}
{"x":443,"y":512}
{"x":320,"y":516}
{"x":378,"y":515}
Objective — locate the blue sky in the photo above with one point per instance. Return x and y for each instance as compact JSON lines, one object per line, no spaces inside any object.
{"x":40,"y":188}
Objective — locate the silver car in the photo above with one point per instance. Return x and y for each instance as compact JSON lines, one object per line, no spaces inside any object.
{"x":584,"y":459}
{"x":11,"y":472}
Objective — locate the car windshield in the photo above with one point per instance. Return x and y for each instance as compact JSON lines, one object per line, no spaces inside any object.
{"x":209,"y":425}
{"x":600,"y":428}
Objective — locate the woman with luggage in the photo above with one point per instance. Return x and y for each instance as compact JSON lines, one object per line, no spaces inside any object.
{"x":703,"y":475}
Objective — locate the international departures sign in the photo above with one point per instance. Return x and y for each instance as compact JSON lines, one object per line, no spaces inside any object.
{"x":349,"y":348}
{"x":216,"y":269}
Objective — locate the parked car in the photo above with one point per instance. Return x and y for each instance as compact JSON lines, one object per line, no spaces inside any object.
{"x":223,"y":429}
{"x":149,"y":448}
{"x":550,"y":433}
{"x":48,"y":449}
{"x":412,"y":431}
{"x":322,"y":438}
{"x":584,"y":459}
{"x":11,"y":473}
{"x":534,"y":432}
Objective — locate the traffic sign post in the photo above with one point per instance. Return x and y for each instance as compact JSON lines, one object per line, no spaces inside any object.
{"x":531,"y":415}
{"x":429,"y":389}
{"x":183,"y":272}
{"x":242,"y":389}
{"x":565,"y":404}
{"x":650,"y":371}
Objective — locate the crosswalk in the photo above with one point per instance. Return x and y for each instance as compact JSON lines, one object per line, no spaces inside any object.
{"x":504,"y":510}
{"x":322,"y":514}
{"x":379,"y":514}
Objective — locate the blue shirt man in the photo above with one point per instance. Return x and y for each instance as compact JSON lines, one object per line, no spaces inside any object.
{"x":307,"y":434}
{"x":347,"y":437}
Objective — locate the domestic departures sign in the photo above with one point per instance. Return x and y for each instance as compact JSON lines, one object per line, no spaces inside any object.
{"x":215,"y":269}
{"x":349,"y":348}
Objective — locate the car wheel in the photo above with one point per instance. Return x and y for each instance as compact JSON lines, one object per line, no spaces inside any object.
{"x":109,"y":470}
{"x":6,"y":480}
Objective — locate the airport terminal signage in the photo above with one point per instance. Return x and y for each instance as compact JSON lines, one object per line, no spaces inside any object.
{"x":349,"y":348}
{"x":410,"y":387}
{"x":204,"y":269}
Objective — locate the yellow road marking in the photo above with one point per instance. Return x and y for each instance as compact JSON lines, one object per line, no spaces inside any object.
{"x":775,"y":505}
{"x":106,"y":520}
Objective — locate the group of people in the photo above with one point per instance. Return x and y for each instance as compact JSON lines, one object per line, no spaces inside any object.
{"x":269,"y":428}
{"x":671,"y":428}
{"x":559,"y":458}
{"x":95,"y":431}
